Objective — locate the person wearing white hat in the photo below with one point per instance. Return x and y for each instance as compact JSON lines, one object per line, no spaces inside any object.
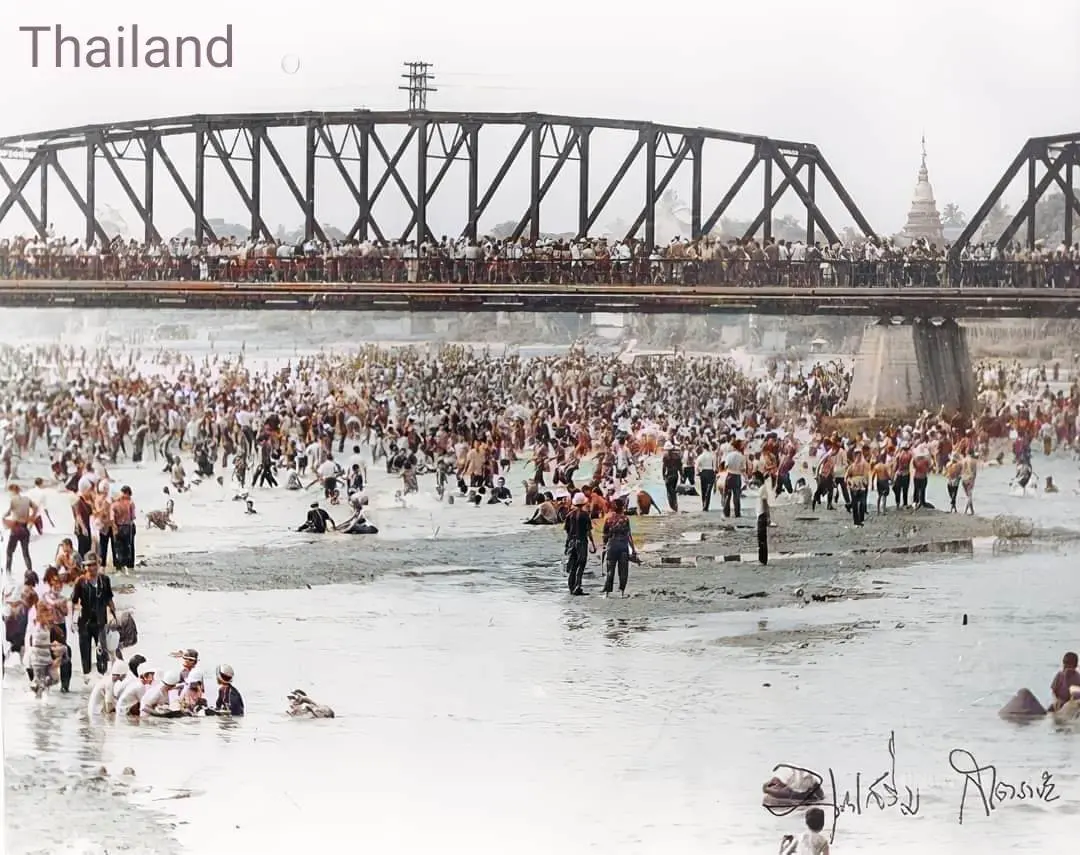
{"x":103,"y":695}
{"x":157,"y":700}
{"x":130,"y":700}
{"x":229,"y":700}
{"x":192,"y":694}
{"x":579,"y":542}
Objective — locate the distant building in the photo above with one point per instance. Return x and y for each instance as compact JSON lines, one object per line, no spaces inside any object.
{"x":923,"y":220}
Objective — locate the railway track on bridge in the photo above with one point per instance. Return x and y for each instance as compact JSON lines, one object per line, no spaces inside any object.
{"x":956,"y":303}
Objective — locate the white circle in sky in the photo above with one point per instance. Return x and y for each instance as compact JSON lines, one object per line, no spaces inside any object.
{"x":290,"y":63}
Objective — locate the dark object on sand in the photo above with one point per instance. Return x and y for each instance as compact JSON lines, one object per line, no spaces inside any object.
{"x":799,"y":788}
{"x":301,"y":706}
{"x":1024,"y":706}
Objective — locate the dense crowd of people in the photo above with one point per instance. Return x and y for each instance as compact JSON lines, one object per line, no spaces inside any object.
{"x":466,"y":416}
{"x":706,"y":261}
{"x":584,"y":425}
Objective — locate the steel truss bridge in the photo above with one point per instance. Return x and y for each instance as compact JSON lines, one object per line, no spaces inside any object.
{"x":1056,"y":158}
{"x":356,"y":144}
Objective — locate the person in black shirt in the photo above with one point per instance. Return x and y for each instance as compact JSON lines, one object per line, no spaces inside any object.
{"x":93,"y":594}
{"x":672,"y":471}
{"x":618,"y":547}
{"x":229,"y":700}
{"x":579,"y":537}
{"x":318,"y":520}
{"x":500,"y":493}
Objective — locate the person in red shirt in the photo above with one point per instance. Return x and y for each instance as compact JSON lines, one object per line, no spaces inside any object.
{"x":920,"y":472}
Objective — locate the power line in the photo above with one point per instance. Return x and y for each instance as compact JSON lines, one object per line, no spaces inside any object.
{"x":419,"y":77}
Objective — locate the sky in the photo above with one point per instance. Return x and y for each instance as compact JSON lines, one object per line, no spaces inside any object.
{"x":863,"y":81}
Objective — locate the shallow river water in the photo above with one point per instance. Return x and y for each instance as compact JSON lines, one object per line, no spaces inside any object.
{"x":486,"y":711}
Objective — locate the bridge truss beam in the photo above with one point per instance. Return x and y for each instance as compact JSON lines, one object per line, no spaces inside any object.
{"x":1057,"y":158}
{"x":357,"y":145}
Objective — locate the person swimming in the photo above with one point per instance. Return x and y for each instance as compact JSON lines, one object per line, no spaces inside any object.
{"x":1050,"y":486}
{"x":250,"y":507}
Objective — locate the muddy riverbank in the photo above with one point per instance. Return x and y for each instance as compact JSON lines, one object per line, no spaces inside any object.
{"x":690,"y":561}
{"x":708,"y":563}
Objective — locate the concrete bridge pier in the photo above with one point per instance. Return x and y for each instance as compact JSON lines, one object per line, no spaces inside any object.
{"x":903,"y":369}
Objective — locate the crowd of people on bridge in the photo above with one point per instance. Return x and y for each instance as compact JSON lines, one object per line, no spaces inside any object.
{"x":559,"y":261}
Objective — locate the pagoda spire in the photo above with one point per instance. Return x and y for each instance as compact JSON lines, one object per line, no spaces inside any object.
{"x":923,"y":220}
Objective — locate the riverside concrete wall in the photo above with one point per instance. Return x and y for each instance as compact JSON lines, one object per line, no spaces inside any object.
{"x":901,"y":370}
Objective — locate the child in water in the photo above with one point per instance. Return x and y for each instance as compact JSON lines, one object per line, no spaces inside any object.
{"x":810,"y":842}
{"x":1065,"y":680}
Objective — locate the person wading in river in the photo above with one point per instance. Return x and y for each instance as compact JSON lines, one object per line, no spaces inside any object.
{"x":968,"y":470}
{"x":764,"y":515}
{"x":858,"y":483}
{"x":618,"y":547}
{"x":735,"y":464}
{"x":953,"y":472}
{"x":579,"y":542}
{"x":94,"y":597}
{"x":706,"y":469}
{"x":672,"y":470}
{"x":880,"y":474}
{"x":825,"y":480}
{"x":20,"y":516}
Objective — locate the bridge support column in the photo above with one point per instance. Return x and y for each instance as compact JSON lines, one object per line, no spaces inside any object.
{"x":902,"y":369}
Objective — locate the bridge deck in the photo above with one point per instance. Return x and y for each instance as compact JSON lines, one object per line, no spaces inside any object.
{"x":970,"y":303}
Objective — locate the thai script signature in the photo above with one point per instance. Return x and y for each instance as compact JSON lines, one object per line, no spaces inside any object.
{"x":881,"y":793}
{"x":993,"y":790}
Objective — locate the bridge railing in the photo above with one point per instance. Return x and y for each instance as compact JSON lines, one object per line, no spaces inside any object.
{"x":645,"y":272}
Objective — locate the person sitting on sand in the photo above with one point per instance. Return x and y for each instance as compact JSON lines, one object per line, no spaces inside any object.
{"x":1064,"y":681}
{"x":318,"y":521}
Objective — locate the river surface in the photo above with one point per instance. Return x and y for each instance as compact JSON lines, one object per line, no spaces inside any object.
{"x":479,"y":709}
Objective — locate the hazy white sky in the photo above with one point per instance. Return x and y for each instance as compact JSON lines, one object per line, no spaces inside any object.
{"x":862,"y":80}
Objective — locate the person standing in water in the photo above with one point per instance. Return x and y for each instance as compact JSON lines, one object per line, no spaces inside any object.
{"x":764,"y":516}
{"x":953,"y":471}
{"x":671,"y":464}
{"x":857,"y":480}
{"x":968,"y":470}
{"x":94,"y":597}
{"x":735,"y":464}
{"x":1065,"y":680}
{"x":20,"y":516}
{"x":229,"y":700}
{"x":706,"y":470}
{"x":618,"y":547}
{"x":880,"y":475}
{"x":579,"y":543}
